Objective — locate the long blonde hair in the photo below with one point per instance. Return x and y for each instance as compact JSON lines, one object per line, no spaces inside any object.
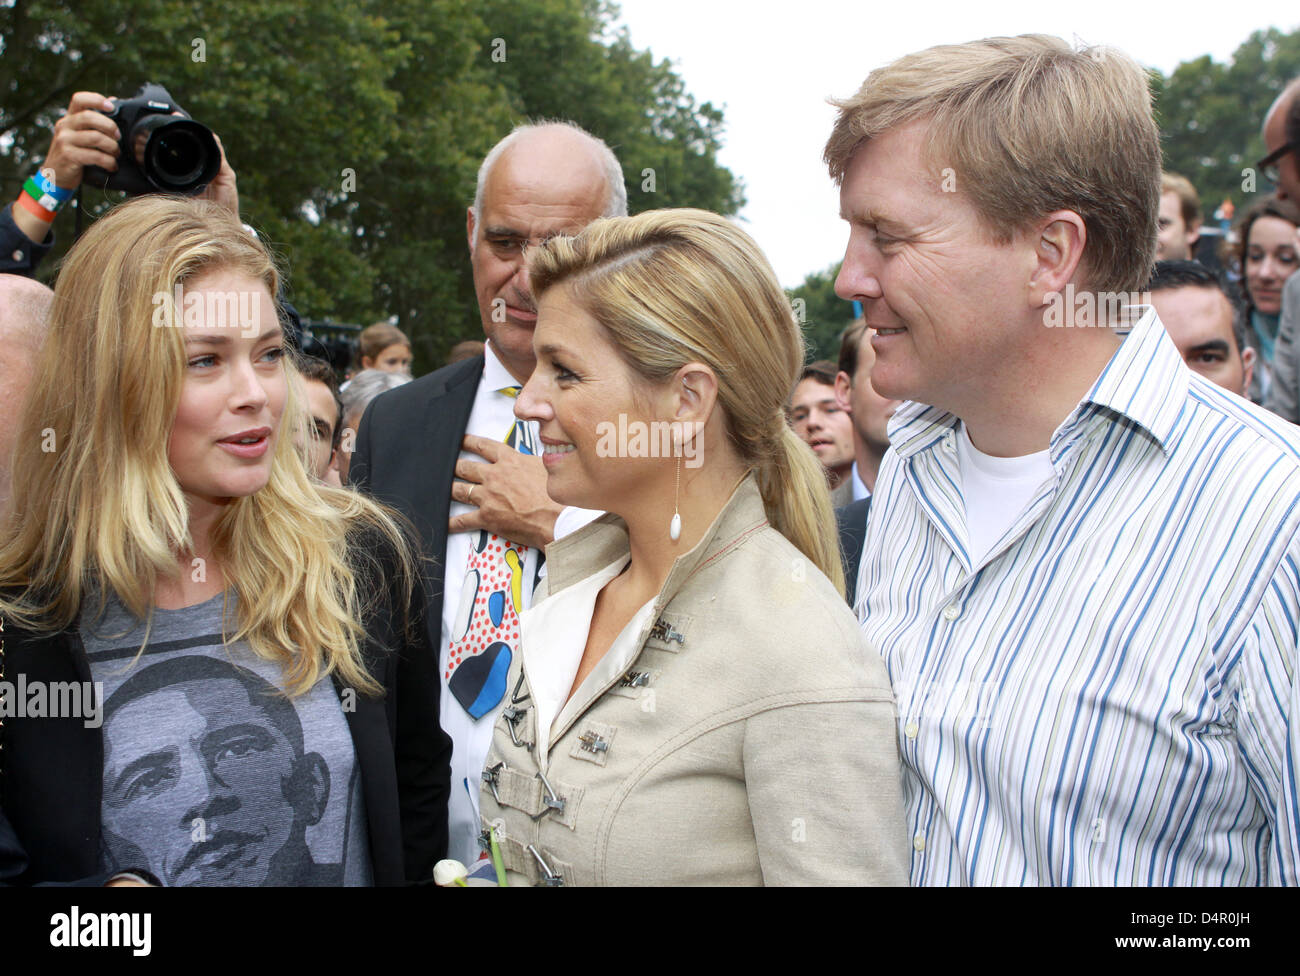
{"x":96,"y":506}
{"x":678,"y":286}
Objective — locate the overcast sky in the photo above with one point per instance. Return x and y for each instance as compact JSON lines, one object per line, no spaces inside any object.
{"x":772,"y":66}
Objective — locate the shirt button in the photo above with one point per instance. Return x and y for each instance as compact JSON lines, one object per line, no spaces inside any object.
{"x":918,"y":842}
{"x":911,"y":729}
{"x":17,"y":255}
{"x":951,"y":612}
{"x":950,"y":442}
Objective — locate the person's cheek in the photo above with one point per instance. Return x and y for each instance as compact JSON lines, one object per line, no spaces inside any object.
{"x":279,"y":396}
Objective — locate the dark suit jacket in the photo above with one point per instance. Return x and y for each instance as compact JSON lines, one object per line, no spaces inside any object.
{"x":52,"y":785}
{"x":406,"y":451}
{"x":852,"y":522}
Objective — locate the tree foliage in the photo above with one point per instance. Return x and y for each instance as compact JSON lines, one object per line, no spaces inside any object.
{"x":1210,"y":116}
{"x":823,"y":313}
{"x":356,"y":128}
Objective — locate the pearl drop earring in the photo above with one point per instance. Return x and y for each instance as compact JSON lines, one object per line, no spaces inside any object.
{"x":675,"y":526}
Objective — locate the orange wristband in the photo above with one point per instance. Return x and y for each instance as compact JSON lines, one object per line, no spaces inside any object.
{"x":34,"y":208}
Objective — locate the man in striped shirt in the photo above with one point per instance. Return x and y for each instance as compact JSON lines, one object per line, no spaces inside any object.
{"x":1082,"y":566}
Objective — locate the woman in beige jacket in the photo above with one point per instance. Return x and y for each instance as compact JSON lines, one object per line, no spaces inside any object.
{"x":693,"y":702}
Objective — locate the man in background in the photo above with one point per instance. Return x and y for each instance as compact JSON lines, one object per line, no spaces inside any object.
{"x":1179,"y":225}
{"x":320,"y":388}
{"x":824,"y":425}
{"x":869,"y":413}
{"x":1282,"y":167}
{"x":24,"y":310}
{"x":447,"y":452}
{"x":1207,"y":325}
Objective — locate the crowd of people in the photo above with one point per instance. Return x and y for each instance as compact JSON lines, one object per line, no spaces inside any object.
{"x":630,"y":593}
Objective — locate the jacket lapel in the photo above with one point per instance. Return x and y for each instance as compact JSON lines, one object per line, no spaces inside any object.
{"x":596,"y":546}
{"x":441,"y":430}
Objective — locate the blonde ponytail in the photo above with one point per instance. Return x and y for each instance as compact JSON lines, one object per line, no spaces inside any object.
{"x":797,"y":498}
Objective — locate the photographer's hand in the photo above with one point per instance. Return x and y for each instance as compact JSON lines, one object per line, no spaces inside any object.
{"x":85,"y":136}
{"x":223,"y":190}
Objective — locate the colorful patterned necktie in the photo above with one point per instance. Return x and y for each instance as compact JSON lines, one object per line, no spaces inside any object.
{"x":486,"y":631}
{"x":520,"y":435}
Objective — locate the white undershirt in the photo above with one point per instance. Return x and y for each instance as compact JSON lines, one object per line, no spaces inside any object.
{"x":996,"y":491}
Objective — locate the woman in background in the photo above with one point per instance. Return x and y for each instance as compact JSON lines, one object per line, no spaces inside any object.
{"x":693,"y":702}
{"x":1267,"y":254}
{"x":267,"y":712}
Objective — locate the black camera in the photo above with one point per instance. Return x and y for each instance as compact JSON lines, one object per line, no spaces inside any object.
{"x":161,"y":152}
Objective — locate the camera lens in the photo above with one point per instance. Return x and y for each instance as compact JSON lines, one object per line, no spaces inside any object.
{"x":180,"y":156}
{"x":177,"y":156}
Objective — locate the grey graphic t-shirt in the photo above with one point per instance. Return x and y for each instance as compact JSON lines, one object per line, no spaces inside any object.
{"x":211,"y":775}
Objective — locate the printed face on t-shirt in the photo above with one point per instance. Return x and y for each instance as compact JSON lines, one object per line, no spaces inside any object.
{"x":221,"y":798}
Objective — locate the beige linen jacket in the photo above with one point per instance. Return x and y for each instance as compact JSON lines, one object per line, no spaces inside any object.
{"x":750,"y":740}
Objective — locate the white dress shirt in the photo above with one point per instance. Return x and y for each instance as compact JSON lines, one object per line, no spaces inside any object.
{"x":860,"y":489}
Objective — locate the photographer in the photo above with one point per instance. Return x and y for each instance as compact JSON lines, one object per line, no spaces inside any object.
{"x":85,"y":136}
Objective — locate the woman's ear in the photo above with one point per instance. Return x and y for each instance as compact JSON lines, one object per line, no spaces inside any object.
{"x":688,"y":400}
{"x":367,"y":362}
{"x":693,"y":391}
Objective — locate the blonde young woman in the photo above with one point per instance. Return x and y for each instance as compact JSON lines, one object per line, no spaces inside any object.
{"x":693,"y":702}
{"x":263,"y":711}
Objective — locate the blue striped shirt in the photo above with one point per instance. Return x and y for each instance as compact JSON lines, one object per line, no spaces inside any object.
{"x":1109,"y":696}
